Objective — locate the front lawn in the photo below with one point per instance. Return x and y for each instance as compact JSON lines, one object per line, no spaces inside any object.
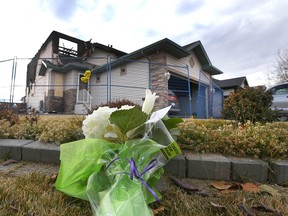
{"x":35,"y":194}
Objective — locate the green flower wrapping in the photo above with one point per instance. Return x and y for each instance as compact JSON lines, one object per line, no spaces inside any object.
{"x":109,"y":189}
{"x":112,"y":192}
{"x":119,"y":163}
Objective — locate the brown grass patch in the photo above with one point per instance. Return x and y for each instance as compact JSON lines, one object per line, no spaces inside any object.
{"x":35,"y":194}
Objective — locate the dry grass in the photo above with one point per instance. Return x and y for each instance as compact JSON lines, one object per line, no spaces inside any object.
{"x":176,"y":201}
{"x":35,"y":194}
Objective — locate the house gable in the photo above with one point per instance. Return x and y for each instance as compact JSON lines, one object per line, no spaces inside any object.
{"x":167,"y":46}
{"x":164,"y":45}
{"x":205,"y":62}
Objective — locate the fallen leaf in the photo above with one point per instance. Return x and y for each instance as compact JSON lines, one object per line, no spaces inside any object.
{"x":219,"y":207}
{"x":6,"y":163}
{"x":250,"y":187}
{"x":216,"y":205}
{"x":246,"y":210}
{"x":222,"y":185}
{"x":184,"y":185}
{"x":53,"y":177}
{"x":158,"y":210}
{"x":263,"y":208}
{"x":268,"y":189}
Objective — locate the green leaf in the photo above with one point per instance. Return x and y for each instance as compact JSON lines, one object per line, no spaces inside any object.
{"x":172,"y":125}
{"x":127,"y":120}
{"x":172,"y":122}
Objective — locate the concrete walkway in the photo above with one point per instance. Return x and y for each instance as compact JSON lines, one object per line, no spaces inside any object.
{"x":188,"y":165}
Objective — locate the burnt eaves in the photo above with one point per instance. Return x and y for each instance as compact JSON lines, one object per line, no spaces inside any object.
{"x":55,"y":36}
{"x":109,"y":48}
{"x":65,"y":68}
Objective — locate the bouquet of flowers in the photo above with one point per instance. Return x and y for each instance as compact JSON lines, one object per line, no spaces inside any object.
{"x":118,"y":164}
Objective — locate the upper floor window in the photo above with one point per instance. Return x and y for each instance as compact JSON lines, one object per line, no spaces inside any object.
{"x":68,"y":48}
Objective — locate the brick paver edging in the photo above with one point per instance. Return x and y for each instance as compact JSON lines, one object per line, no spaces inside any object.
{"x":188,"y":165}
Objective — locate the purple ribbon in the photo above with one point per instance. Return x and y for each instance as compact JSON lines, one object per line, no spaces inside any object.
{"x":135,"y":173}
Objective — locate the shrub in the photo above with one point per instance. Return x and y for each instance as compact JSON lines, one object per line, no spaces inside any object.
{"x":5,"y":130}
{"x":26,"y":130}
{"x":9,"y":115}
{"x":51,"y":130}
{"x":249,"y":104}
{"x":60,"y":131}
{"x":269,"y":140}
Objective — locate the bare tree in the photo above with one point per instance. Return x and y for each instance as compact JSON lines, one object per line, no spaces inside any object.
{"x":281,"y":66}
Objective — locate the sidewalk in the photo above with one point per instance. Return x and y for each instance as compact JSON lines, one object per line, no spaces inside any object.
{"x":188,"y":165}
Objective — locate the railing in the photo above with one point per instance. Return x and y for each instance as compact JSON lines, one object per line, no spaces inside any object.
{"x":85,"y":98}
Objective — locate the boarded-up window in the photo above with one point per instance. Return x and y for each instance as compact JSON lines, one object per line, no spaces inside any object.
{"x":59,"y":85}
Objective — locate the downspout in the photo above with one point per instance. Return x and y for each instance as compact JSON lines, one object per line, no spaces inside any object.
{"x":189,"y":89}
{"x":107,"y":79}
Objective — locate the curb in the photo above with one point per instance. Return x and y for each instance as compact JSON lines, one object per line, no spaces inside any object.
{"x":188,"y":165}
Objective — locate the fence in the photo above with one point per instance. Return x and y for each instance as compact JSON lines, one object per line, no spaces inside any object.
{"x":210,"y":98}
{"x":55,"y":85}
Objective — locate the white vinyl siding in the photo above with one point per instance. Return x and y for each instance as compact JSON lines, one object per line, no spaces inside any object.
{"x":99,"y":57}
{"x":129,"y":86}
{"x":194,"y":72}
{"x":71,"y":79}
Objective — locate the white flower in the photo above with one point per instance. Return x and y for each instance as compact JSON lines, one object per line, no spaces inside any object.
{"x":126,"y":107}
{"x":111,"y":135}
{"x":149,"y":101}
{"x":94,"y":126}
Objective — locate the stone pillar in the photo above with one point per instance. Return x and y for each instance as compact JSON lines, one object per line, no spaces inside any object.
{"x":53,"y":103}
{"x":69,"y":100}
{"x":159,"y":82}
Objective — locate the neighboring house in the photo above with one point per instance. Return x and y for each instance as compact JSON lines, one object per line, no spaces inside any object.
{"x":231,"y":85}
{"x":53,"y":75}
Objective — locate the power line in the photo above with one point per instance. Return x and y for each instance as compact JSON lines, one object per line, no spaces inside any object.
{"x":6,"y":60}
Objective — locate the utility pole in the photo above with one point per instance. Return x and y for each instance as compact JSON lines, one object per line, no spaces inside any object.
{"x":13,"y":78}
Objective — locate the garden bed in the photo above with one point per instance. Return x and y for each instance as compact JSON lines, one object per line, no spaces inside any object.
{"x":261,"y":140}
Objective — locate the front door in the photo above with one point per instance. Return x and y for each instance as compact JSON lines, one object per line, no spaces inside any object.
{"x":82,"y":90}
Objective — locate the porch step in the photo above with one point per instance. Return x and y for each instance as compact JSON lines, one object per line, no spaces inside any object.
{"x":80,"y":109}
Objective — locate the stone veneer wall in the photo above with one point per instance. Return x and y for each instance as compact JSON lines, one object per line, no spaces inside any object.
{"x":159,"y":83}
{"x":53,"y":103}
{"x":69,"y":100}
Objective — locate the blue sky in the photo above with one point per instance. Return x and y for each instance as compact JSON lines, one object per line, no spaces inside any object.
{"x":242,"y":38}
